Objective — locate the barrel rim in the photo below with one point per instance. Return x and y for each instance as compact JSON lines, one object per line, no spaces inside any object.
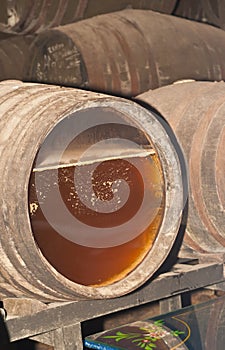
{"x":172,"y":213}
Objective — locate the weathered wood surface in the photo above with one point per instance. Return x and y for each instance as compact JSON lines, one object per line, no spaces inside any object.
{"x":129,"y":47}
{"x":207,"y":11}
{"x":170,"y":304}
{"x":195,"y":113}
{"x":14,"y":56}
{"x":182,"y":278}
{"x":214,"y":12}
{"x":131,"y":62}
{"x":29,"y":112}
{"x":25,"y":16}
{"x":68,"y":338}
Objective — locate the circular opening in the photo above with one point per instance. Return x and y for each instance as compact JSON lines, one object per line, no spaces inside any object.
{"x":96,"y":196}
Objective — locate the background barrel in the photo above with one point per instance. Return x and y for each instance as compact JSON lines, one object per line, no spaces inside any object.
{"x":195,"y":111}
{"x":215,"y":12}
{"x":14,"y":56}
{"x":91,"y":193}
{"x":25,"y":16}
{"x":128,"y":52}
{"x":191,"y":9}
{"x":208,"y":11}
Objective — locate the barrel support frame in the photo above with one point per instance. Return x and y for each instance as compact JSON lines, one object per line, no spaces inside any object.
{"x":59,"y":324}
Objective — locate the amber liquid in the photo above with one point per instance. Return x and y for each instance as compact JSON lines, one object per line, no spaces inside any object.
{"x":99,"y":266}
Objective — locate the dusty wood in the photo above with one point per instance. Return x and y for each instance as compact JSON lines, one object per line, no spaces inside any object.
{"x":206,"y":11}
{"x":68,"y":338}
{"x":166,"y":285}
{"x":25,"y":17}
{"x":218,"y":286}
{"x":45,"y":338}
{"x":170,"y":304}
{"x":28,"y":112}
{"x":203,"y":258}
{"x":132,"y":61}
{"x":190,"y":9}
{"x":14,"y":56}
{"x":22,"y":306}
{"x":195,"y":113}
{"x":214,"y":12}
{"x":62,"y":338}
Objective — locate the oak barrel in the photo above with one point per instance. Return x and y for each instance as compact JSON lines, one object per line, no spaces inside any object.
{"x":207,"y":11}
{"x":25,"y":16}
{"x":214,"y":12}
{"x":195,"y":111}
{"x":191,"y":10}
{"x":124,"y":52}
{"x":91,"y":193}
{"x":14,"y":56}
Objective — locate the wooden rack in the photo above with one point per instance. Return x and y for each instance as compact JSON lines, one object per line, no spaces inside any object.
{"x":59,"y":324}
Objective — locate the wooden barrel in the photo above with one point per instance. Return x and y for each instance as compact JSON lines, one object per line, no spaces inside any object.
{"x":25,"y":16}
{"x":14,"y":56}
{"x":214,"y":12}
{"x":91,"y":193}
{"x":195,"y":111}
{"x":207,"y":11}
{"x":129,"y":48}
{"x":191,"y":9}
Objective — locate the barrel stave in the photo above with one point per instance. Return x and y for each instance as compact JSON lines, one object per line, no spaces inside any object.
{"x":29,"y":112}
{"x":134,"y":61}
{"x":195,"y":111}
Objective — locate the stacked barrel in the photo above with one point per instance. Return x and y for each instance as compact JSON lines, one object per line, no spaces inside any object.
{"x":195,"y":111}
{"x":24,"y":16}
{"x":208,"y":11}
{"x":111,"y":161}
{"x":88,"y":194}
{"x":134,"y":51}
{"x":124,"y":53}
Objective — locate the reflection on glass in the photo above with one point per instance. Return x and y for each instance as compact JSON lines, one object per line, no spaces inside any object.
{"x":146,"y":335}
{"x":204,"y":324}
{"x":198,"y":327}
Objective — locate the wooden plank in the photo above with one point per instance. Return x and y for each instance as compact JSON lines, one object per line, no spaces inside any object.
{"x":23,"y":306}
{"x":170,"y":304}
{"x":218,"y":286}
{"x":68,"y":338}
{"x":201,"y":257}
{"x":45,"y":338}
{"x":180,"y":279}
